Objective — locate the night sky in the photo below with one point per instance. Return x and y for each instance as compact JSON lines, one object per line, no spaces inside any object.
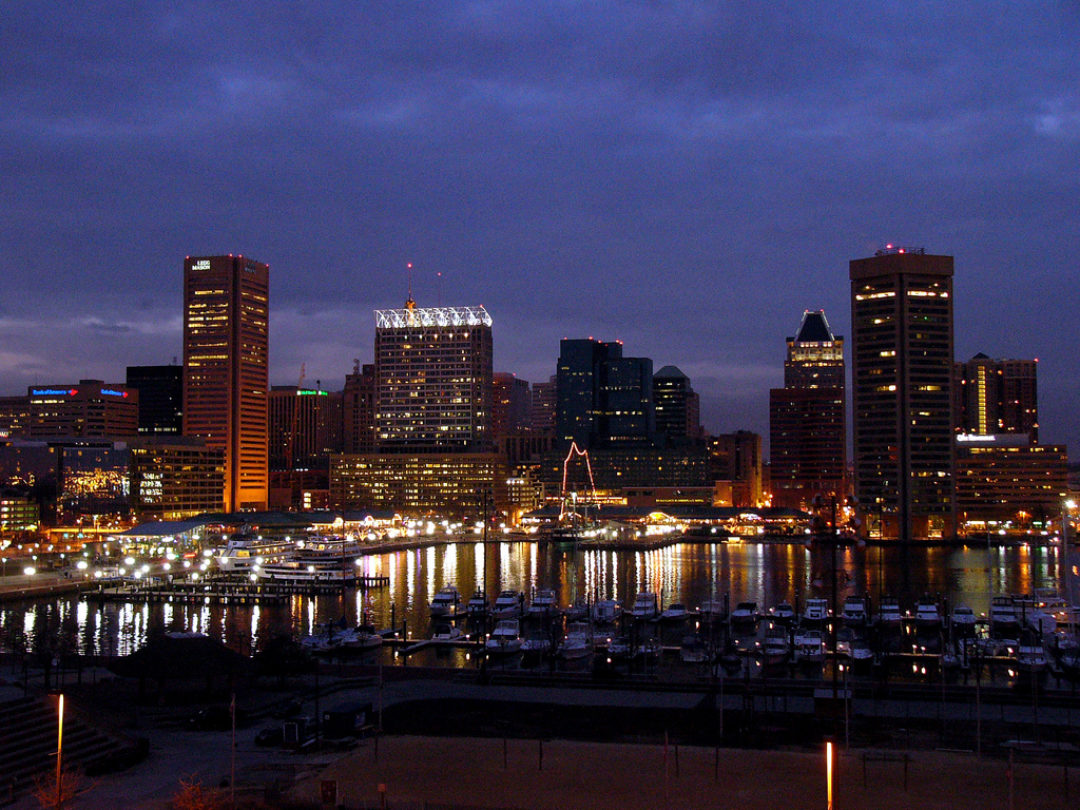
{"x":688,"y":180}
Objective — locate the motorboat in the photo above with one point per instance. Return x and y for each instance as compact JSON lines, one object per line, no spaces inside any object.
{"x":693,"y":649}
{"x":855,"y":612}
{"x":675,"y":612}
{"x":477,"y":606}
{"x":962,"y":621}
{"x":809,"y":647}
{"x":505,"y":639}
{"x":845,"y":638}
{"x":713,"y":610}
{"x":543,"y":603}
{"x":927,"y":615}
{"x":1040,"y":621}
{"x":783,"y":613}
{"x":644,"y":607}
{"x":816,"y":612}
{"x":889,"y":617}
{"x":446,"y":603}
{"x":777,"y":647}
{"x":508,"y":605}
{"x":535,"y":647}
{"x":606,"y":612}
{"x":578,"y":642}
{"x":446,"y":631}
{"x":1004,"y":621}
{"x":745,"y":616}
{"x":861,"y":654}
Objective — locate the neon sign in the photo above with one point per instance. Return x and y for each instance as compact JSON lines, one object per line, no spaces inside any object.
{"x":111,"y":393}
{"x":53,"y":392}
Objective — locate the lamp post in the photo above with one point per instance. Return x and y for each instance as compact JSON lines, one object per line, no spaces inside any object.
{"x":59,"y":755}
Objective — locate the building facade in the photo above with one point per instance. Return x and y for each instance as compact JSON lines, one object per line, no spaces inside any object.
{"x":161,"y":398}
{"x":358,"y":410}
{"x":676,"y":405}
{"x":304,"y":429}
{"x":433,"y":380}
{"x":226,"y":346}
{"x":91,"y":409}
{"x":902,"y":370}
{"x":1005,"y":479}
{"x":997,"y":396}
{"x":175,"y":479}
{"x":542,"y":413}
{"x":510,"y":405}
{"x":807,"y":425}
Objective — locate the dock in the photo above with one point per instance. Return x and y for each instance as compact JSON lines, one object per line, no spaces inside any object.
{"x":231,"y":592}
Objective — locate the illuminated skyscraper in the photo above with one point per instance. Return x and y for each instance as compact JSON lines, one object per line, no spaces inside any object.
{"x":677,"y":405}
{"x":902,"y":371}
{"x":433,"y":380}
{"x":807,"y":440}
{"x":997,"y":396}
{"x":226,"y":344}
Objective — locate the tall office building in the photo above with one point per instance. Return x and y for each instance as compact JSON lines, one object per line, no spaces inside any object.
{"x":358,"y":410}
{"x":542,"y":414}
{"x":902,"y":370}
{"x":226,"y":344}
{"x":433,"y":380}
{"x":90,"y":409}
{"x":807,"y":432}
{"x":304,"y":427}
{"x":603,"y":398}
{"x":161,"y":398}
{"x":677,"y":405}
{"x":510,"y":405}
{"x":997,"y":396}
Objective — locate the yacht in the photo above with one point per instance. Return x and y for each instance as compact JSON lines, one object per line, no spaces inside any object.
{"x":535,"y":647}
{"x":505,"y":639}
{"x":927,"y":615}
{"x":543,"y":603}
{"x":962,"y":621}
{"x":578,"y":642}
{"x":325,"y":559}
{"x":1004,"y":623}
{"x":692,"y":650}
{"x":477,"y":606}
{"x":675,"y":612}
{"x":242,"y":553}
{"x":816,"y":612}
{"x":889,"y":617}
{"x":508,"y":605}
{"x":777,"y":646}
{"x":644,"y":608}
{"x":745,"y":616}
{"x":783,"y":613}
{"x":606,"y":612}
{"x":855,"y":613}
{"x":446,"y":604}
{"x":713,"y":610}
{"x":446,"y":631}
{"x":809,"y":647}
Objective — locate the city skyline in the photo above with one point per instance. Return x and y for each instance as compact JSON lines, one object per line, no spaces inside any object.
{"x":576,"y":172}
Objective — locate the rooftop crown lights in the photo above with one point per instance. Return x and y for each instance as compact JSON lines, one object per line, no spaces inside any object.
{"x":432,"y":316}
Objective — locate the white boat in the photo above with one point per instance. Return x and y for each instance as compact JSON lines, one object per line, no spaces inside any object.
{"x":317,"y":559}
{"x":675,"y":612}
{"x":579,"y":611}
{"x":745,"y":615}
{"x":477,"y":605}
{"x":861,"y":654}
{"x":446,"y":603}
{"x":508,"y":605}
{"x":713,"y":610}
{"x":335,"y":639}
{"x":543,"y":603}
{"x":962,"y":621}
{"x":606,"y":612}
{"x":809,"y":647}
{"x":505,"y":639}
{"x":578,"y":642}
{"x":889,"y":617}
{"x":644,"y":607}
{"x":242,"y":554}
{"x":855,"y":612}
{"x":693,"y":649}
{"x":927,"y":615}
{"x":1004,"y":621}
{"x":446,"y":632}
{"x":816,"y":612}
{"x":777,"y":646}
{"x":536,"y":646}
{"x":1041,"y":621}
{"x":1031,"y":659}
{"x":783,"y":613}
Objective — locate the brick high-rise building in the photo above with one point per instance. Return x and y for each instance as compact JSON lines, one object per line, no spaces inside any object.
{"x":510,"y":405}
{"x":161,"y":398}
{"x":226,"y":346}
{"x":902,"y":372}
{"x":358,"y":410}
{"x":807,"y":427}
{"x":90,"y":409}
{"x":997,"y":396}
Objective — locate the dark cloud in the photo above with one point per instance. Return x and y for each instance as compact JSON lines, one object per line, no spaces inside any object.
{"x":687,"y":178}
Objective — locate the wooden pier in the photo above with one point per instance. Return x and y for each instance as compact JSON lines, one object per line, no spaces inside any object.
{"x":231,"y":592}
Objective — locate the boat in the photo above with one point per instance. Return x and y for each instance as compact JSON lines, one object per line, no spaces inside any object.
{"x":446,"y":631}
{"x":816,"y":612}
{"x":446,"y":603}
{"x":693,"y":650}
{"x":809,"y":647}
{"x":745,"y":616}
{"x":477,"y":606}
{"x":1031,"y":659}
{"x":890,"y":619}
{"x":606,"y":612}
{"x":845,"y":638}
{"x":320,"y":559}
{"x":675,"y":612}
{"x":1004,"y":622}
{"x":543,"y":603}
{"x":927,"y":615}
{"x":1041,"y":621}
{"x":644,"y":607}
{"x":962,"y":621}
{"x":855,"y":612}
{"x":505,"y":639}
{"x":243,"y":553}
{"x":535,"y":647}
{"x":713,"y":610}
{"x":777,"y":647}
{"x":578,"y":642}
{"x":783,"y":613}
{"x":861,"y":655}
{"x":337,"y":639}
{"x":619,"y":648}
{"x":577,"y":612}
{"x":508,"y":605}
